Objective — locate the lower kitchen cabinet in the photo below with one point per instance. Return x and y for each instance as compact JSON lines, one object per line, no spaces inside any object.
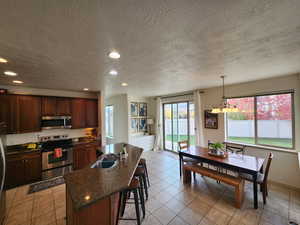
{"x":23,"y":169}
{"x":84,"y":154}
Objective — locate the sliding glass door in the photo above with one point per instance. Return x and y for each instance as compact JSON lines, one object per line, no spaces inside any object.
{"x":178,"y":124}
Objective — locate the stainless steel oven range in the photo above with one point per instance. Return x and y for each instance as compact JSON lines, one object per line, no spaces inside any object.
{"x":57,"y":156}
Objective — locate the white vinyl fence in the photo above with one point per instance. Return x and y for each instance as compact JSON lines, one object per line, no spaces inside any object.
{"x":182,"y":127}
{"x":239,"y":128}
{"x":265,"y":128}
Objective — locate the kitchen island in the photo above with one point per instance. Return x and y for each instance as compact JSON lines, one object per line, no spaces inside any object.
{"x":92,"y":194}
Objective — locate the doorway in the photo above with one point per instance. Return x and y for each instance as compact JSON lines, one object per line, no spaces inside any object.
{"x":178,"y":124}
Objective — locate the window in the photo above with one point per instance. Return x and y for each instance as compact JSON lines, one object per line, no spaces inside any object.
{"x":109,"y":121}
{"x":262,"y":120}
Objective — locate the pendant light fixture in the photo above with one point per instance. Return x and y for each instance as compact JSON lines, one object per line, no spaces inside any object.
{"x":224,"y":106}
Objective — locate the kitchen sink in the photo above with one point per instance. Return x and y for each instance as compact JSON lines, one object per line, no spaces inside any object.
{"x":105,"y":162}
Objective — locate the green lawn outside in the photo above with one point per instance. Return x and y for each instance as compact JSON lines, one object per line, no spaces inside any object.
{"x":177,"y":138}
{"x":278,"y":142}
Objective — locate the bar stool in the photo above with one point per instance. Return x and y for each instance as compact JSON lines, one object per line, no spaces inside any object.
{"x":143,"y":164}
{"x":141,"y":175}
{"x":138,"y":197}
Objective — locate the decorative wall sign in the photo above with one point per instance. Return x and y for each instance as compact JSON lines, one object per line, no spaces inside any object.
{"x":210,"y":120}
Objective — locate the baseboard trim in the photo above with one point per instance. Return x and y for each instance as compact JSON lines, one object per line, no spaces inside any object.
{"x":284,"y":185}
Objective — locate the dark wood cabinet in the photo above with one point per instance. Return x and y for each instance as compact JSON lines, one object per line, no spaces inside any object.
{"x":56,"y":106}
{"x":23,"y":169}
{"x":32,"y":167}
{"x":48,"y":106}
{"x":91,"y":113}
{"x":83,"y":155}
{"x":29,"y":113}
{"x":63,"y":106}
{"x":78,"y":113}
{"x":4,"y":109}
{"x":15,"y":174}
{"x":108,"y":206}
{"x":8,"y":112}
{"x":23,"y":113}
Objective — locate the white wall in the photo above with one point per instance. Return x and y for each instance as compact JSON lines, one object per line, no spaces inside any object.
{"x":120,"y":129}
{"x":15,"y":139}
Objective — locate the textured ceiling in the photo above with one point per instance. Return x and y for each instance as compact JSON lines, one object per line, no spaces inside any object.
{"x":166,"y":45}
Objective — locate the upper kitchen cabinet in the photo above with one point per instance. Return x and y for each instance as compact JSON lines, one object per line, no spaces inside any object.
{"x":63,"y":106}
{"x":48,"y":106}
{"x":8,"y":112}
{"x":84,"y":113}
{"x":56,"y":106}
{"x":91,"y":113}
{"x":78,"y":113}
{"x":29,"y":113}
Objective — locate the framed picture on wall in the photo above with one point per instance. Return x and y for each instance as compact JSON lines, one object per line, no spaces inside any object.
{"x":210,"y":120}
{"x":142,"y":109}
{"x":143,"y":125}
{"x":134,"y":109}
{"x":134,"y":126}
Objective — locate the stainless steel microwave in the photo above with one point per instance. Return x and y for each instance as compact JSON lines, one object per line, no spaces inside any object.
{"x":56,"y":122}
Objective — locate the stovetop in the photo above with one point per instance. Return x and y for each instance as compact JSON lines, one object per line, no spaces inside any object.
{"x":51,"y":145}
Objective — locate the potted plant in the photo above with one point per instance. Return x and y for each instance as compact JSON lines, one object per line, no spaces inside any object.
{"x":216,"y":147}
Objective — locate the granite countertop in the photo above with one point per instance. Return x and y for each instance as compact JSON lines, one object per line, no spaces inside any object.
{"x":85,"y":140}
{"x":22,"y":148}
{"x":88,"y":185}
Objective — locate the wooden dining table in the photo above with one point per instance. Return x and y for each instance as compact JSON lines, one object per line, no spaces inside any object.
{"x":235,"y":162}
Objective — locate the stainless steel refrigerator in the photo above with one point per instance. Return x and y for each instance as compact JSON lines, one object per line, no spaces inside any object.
{"x":2,"y":170}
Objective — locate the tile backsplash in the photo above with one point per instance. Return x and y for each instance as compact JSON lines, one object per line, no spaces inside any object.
{"x":17,"y":139}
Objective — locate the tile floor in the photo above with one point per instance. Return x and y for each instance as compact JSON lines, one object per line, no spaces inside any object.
{"x":170,"y":202}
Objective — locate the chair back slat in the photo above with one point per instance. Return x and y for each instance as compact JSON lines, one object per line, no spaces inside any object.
{"x":235,"y":148}
{"x":183,"y":144}
{"x":266,"y":174}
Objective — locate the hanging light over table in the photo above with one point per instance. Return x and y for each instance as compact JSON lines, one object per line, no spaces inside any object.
{"x":224,"y":106}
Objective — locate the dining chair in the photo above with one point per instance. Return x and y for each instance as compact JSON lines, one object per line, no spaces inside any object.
{"x":182,"y":146}
{"x":235,"y":148}
{"x":262,"y":178}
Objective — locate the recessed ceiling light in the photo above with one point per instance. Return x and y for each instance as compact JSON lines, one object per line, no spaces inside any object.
{"x":18,"y":82}
{"x":113,"y":72}
{"x":2,"y":60}
{"x":10,"y":73}
{"x":114,"y":55}
{"x":124,"y":84}
{"x":85,"y":89}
